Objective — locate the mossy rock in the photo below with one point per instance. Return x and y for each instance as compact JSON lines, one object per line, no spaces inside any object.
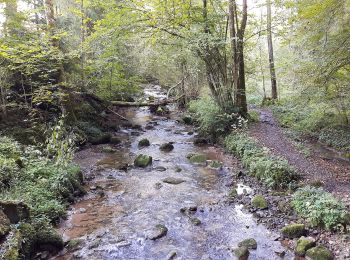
{"x":200,"y":141}
{"x":303,"y":245}
{"x":15,"y":211}
{"x":74,"y":244}
{"x":178,"y":169}
{"x":4,"y":224}
{"x":249,"y":243}
{"x":144,"y":143}
{"x":233,"y":193}
{"x":242,"y":253}
{"x":197,"y":158}
{"x":215,"y":164}
{"x":293,"y":230}
{"x":143,"y":161}
{"x":167,"y":147}
{"x":104,"y":138}
{"x":319,"y":253}
{"x":187,"y":120}
{"x":259,"y":202}
{"x":49,"y":240}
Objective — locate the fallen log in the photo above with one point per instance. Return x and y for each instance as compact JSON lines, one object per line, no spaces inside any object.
{"x":144,"y":104}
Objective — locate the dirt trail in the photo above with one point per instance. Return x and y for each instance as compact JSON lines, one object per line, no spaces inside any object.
{"x":333,"y":173}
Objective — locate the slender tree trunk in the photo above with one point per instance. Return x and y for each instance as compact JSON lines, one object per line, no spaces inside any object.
{"x":271,"y":58}
{"x":3,"y":102}
{"x":82,"y":45}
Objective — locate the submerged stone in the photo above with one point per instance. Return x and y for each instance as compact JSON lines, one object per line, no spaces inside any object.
{"x":293,"y":230}
{"x":157,"y":232}
{"x":143,"y":161}
{"x":259,"y":202}
{"x":303,"y":245}
{"x":174,"y":181}
{"x":144,"y":142}
{"x":195,"y":221}
{"x":167,"y":147}
{"x":319,"y":253}
{"x":249,"y":243}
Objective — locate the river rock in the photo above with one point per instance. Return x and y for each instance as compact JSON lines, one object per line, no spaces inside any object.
{"x":160,"y":169}
{"x":143,"y":161}
{"x":197,"y":158}
{"x":172,"y":180}
{"x":171,"y":255}
{"x":167,"y":147}
{"x":259,"y":202}
{"x":15,"y":211}
{"x":303,"y":245}
{"x":242,"y":253}
{"x":319,"y":253}
{"x":249,"y":243}
{"x":178,"y":169}
{"x":195,"y":221}
{"x":157,"y":232}
{"x":293,"y":230}
{"x":187,"y":120}
{"x":144,"y":143}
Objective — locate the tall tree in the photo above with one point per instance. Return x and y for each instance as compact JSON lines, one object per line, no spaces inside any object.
{"x":274,"y":94}
{"x":237,"y":32}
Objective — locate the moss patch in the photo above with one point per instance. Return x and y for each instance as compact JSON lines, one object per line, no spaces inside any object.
{"x":293,"y":230}
{"x":197,"y":158}
{"x":249,"y":243}
{"x":259,"y":202}
{"x":303,"y":245}
{"x":144,"y":143}
{"x":143,"y":161}
{"x":319,"y":253}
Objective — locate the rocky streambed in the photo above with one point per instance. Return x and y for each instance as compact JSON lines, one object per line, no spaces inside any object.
{"x":177,"y":207}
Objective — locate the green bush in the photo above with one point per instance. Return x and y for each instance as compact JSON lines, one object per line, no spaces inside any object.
{"x":320,"y":208}
{"x":336,"y":137}
{"x":272,"y":170}
{"x":212,"y":121}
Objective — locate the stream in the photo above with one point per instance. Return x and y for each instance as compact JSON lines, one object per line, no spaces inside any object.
{"x":118,"y":217}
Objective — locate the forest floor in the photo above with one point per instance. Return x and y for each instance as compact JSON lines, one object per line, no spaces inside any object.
{"x":334,"y":174}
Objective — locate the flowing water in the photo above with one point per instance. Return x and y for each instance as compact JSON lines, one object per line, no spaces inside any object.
{"x":122,"y":208}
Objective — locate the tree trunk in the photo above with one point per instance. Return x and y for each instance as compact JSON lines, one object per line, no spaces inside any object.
{"x":271,"y":58}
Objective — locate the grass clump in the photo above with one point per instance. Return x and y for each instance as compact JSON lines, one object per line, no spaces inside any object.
{"x":273,"y":171}
{"x":320,"y":208}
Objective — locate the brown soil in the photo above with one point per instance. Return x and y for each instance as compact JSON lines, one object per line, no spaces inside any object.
{"x":334,"y":174}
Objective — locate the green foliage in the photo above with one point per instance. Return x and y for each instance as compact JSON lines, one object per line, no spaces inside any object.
{"x":212,"y":120}
{"x":273,"y":171}
{"x":320,"y":208}
{"x":336,"y":137}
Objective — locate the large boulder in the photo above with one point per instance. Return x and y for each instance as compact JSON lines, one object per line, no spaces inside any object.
{"x":15,"y":211}
{"x":143,"y":161}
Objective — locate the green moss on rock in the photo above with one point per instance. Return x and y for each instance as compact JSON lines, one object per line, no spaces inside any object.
{"x":293,"y":230}
{"x":242,"y":253}
{"x":215,"y":164}
{"x":249,"y":243}
{"x":144,"y":142}
{"x":303,"y":245}
{"x":143,"y":161}
{"x":167,"y":147}
{"x":319,"y":253}
{"x":187,"y":120}
{"x":259,"y":202}
{"x":197,"y":158}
